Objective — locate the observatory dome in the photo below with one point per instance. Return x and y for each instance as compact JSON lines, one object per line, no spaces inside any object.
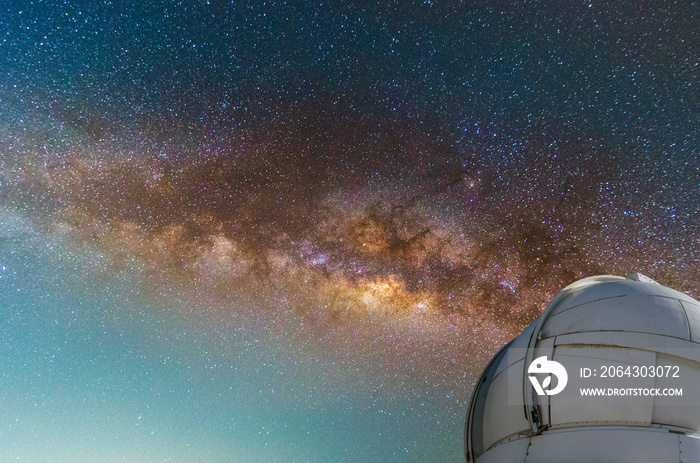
{"x":628,"y":347}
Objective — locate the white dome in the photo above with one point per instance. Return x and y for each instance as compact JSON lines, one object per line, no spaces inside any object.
{"x":603,"y":321}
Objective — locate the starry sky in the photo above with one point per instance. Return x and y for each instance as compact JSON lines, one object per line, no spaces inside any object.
{"x":267,"y":231}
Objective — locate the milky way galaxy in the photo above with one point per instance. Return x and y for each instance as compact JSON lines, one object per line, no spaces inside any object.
{"x":292,"y":231}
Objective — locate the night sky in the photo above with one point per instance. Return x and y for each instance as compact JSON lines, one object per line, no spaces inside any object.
{"x":297,"y":231}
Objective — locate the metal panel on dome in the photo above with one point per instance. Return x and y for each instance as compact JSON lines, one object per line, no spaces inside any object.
{"x":544,"y":347}
{"x":648,"y":341}
{"x":517,"y":345}
{"x":569,"y":407}
{"x":501,"y":418}
{"x":617,"y":288}
{"x":619,"y":445}
{"x":681,"y":411}
{"x":644,"y":314}
{"x":474,"y":426}
{"x":689,"y":448}
{"x":692,"y":311}
{"x":514,"y":452}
